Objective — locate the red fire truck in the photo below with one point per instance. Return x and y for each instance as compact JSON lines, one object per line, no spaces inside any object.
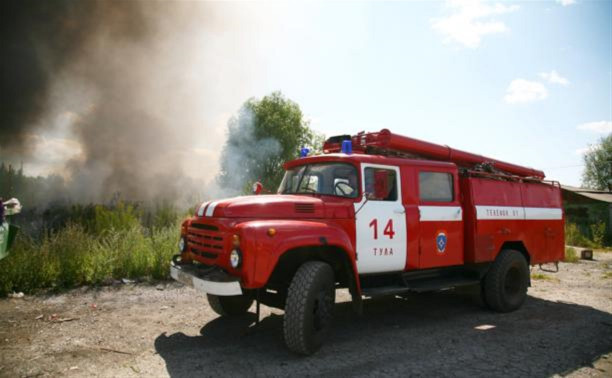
{"x":379,"y":214}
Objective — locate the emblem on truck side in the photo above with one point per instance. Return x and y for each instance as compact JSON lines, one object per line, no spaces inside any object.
{"x":441,"y":241}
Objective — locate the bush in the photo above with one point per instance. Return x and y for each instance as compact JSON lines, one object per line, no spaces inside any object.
{"x":110,"y":244}
{"x":570,"y":255}
{"x":119,"y":218}
{"x":592,"y":236}
{"x":598,"y":233}
{"x":573,"y":236}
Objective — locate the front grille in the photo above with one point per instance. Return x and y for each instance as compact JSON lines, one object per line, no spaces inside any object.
{"x":206,"y":255}
{"x":304,"y":208}
{"x":202,"y":226}
{"x":205,"y":240}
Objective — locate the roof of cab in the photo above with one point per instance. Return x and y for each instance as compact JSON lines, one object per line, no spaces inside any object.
{"x":364,"y":158}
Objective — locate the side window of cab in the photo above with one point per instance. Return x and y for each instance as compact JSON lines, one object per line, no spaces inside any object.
{"x":380,"y":184}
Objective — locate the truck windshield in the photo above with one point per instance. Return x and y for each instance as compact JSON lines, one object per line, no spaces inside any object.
{"x":334,"y":179}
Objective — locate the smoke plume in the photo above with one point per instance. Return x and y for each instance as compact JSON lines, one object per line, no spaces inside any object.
{"x":40,"y":40}
{"x":139,"y":81}
{"x":241,"y":153}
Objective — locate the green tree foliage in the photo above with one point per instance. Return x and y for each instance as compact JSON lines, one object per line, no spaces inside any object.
{"x":265,"y":134}
{"x":598,"y":166}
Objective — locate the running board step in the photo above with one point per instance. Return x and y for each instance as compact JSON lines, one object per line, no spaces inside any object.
{"x":441,"y":283}
{"x":384,"y":290}
{"x":420,"y":286}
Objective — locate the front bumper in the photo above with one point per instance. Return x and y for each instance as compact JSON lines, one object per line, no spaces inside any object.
{"x":211,"y":280}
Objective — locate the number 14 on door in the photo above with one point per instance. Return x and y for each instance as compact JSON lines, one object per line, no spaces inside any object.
{"x":388,"y":230}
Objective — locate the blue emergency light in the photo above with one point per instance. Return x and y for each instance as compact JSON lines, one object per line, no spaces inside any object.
{"x":347,"y":147}
{"x":304,"y":152}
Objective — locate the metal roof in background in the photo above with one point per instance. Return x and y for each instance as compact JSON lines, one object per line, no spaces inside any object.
{"x":598,"y":195}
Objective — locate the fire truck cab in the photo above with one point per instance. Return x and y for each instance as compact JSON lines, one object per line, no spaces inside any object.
{"x":379,"y":214}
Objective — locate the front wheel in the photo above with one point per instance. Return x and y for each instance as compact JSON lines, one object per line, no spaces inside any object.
{"x":309,"y":307}
{"x":228,"y":306}
{"x":505,"y":285}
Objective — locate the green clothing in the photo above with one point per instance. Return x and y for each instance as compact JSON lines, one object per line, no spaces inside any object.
{"x":4,"y":238}
{"x":7,"y":236}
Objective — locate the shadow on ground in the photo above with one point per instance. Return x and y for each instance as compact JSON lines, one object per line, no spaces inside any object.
{"x":426,"y":335}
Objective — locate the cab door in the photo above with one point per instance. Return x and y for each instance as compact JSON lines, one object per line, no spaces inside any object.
{"x":440,"y":218}
{"x":380,"y":221}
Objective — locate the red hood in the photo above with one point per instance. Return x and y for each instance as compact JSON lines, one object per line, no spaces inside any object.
{"x":269,"y":206}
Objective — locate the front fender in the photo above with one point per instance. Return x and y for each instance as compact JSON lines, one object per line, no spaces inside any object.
{"x":262,"y":251}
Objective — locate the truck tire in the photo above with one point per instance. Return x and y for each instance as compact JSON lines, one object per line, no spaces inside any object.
{"x":230,"y":306}
{"x":309,"y":307}
{"x":505,"y":285}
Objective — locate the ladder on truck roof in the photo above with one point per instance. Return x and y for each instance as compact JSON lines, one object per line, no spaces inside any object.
{"x":384,"y":142}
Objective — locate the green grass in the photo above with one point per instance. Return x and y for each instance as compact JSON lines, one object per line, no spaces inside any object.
{"x":544,"y":277}
{"x":570,"y":255}
{"x":540,"y":276}
{"x":117,"y":246}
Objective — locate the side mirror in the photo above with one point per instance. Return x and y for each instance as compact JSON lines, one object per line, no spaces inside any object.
{"x":257,"y":188}
{"x":366,"y":197}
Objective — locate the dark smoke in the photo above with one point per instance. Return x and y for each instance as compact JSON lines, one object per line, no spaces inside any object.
{"x":39,"y":40}
{"x":110,"y":64}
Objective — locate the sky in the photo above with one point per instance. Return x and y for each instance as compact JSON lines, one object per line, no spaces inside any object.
{"x":524,"y":82}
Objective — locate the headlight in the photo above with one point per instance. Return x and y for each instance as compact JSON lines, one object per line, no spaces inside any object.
{"x":182,"y":244}
{"x":235,"y":258}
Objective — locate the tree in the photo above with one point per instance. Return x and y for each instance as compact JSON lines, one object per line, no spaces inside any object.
{"x":598,"y":165}
{"x":261,"y":137}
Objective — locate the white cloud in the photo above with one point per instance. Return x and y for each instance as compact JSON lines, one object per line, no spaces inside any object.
{"x":553,"y":77}
{"x":603,"y":127}
{"x":565,"y":3}
{"x":522,"y":91}
{"x":471,"y":20}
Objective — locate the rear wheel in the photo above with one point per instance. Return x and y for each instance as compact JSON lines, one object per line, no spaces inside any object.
{"x":309,"y":307}
{"x":228,"y":306}
{"x":505,"y":285}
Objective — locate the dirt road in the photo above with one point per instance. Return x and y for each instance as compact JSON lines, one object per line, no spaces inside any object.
{"x":565,"y":327}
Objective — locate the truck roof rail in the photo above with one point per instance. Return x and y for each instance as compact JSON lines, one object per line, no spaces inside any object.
{"x":384,"y":142}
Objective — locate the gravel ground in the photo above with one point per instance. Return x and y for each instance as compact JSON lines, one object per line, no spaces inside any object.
{"x":564,"y":328}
